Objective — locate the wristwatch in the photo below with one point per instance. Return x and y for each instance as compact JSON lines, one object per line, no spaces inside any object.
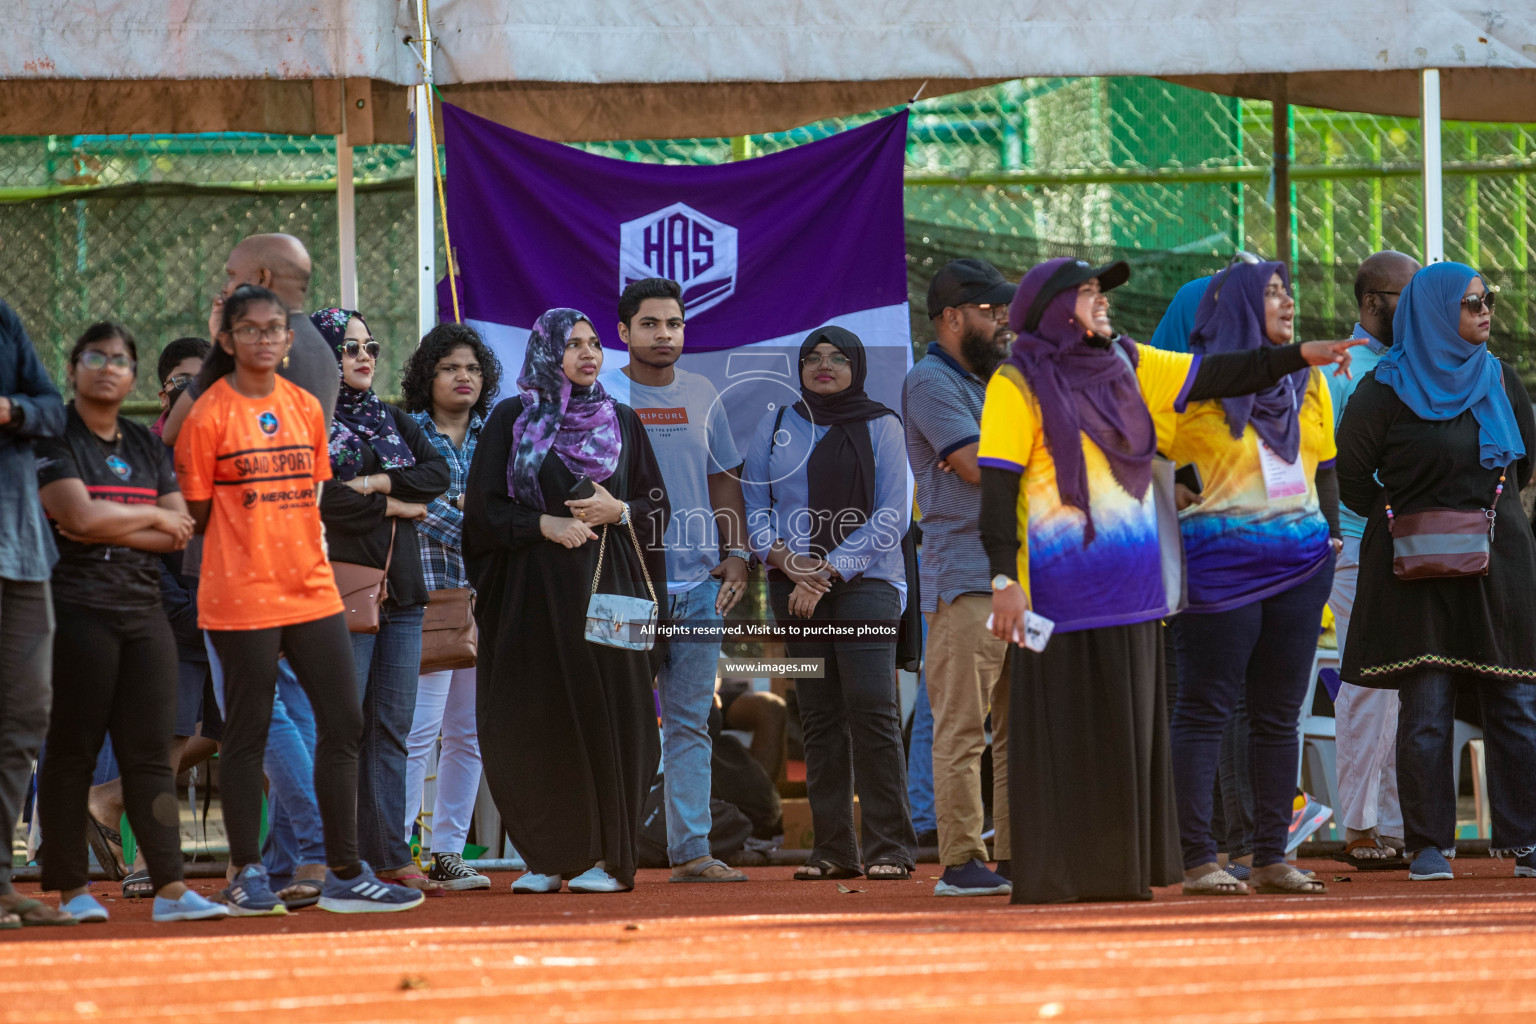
{"x":745,"y":556}
{"x":1001,"y":583}
{"x":624,"y":515}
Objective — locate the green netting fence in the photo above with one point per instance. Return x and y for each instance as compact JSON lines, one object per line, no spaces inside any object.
{"x":136,"y":228}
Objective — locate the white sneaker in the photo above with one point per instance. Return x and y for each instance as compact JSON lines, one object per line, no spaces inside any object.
{"x":532,"y":882}
{"x":595,"y":880}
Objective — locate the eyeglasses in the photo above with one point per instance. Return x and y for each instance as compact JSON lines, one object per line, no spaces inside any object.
{"x":91,"y":359}
{"x":453,"y":370}
{"x":1243,"y":256}
{"x":250,"y":334}
{"x":1479,"y":303}
{"x":997,"y":312}
{"x":1378,"y":291}
{"x":176,"y":383}
{"x":836,"y":360}
{"x":369,"y":346}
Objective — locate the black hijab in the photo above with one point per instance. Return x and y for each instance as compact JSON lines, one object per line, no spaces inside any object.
{"x":840,"y":474}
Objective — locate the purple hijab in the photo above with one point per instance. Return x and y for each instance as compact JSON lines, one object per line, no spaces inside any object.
{"x":580,"y":424}
{"x":1082,"y":387}
{"x":1231,"y":319}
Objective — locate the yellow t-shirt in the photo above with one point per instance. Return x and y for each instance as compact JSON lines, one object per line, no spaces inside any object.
{"x":1116,"y":580}
{"x":1249,"y":538}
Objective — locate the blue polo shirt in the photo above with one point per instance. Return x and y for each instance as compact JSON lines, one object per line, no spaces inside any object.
{"x":1341,"y":387}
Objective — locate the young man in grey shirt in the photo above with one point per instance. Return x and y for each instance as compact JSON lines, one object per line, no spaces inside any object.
{"x":965,"y":666}
{"x":691,"y":436}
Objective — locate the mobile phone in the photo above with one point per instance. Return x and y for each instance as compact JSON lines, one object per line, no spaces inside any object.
{"x":1189,"y":475}
{"x":583,"y":488}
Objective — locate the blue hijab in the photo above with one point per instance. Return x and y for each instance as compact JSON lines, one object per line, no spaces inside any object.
{"x":1173,"y":330}
{"x":1438,"y":374}
{"x":1231,"y":319}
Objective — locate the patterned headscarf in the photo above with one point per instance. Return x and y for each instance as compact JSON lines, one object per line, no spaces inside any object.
{"x":581,"y":424}
{"x":361,"y":419}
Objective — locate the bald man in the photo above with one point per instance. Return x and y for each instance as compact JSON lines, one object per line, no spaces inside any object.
{"x":281,"y":264}
{"x":1366,"y":718}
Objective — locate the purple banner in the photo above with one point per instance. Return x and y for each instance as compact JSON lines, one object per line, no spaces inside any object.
{"x":766,"y":249}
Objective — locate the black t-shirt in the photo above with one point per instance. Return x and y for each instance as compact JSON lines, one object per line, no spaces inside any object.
{"x":135,"y":470}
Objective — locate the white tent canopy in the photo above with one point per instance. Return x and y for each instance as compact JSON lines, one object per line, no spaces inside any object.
{"x":591,"y":69}
{"x":616,"y":69}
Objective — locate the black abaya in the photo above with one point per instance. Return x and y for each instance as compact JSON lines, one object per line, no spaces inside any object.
{"x":568,"y":728}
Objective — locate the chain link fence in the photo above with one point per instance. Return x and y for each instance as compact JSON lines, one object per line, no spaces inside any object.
{"x":1172,"y":179}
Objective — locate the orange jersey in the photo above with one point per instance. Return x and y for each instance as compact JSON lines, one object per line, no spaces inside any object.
{"x":261,"y":462}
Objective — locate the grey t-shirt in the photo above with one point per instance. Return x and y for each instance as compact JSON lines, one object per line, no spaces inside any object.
{"x":941,"y":410}
{"x":688,"y":428}
{"x":311,"y":365}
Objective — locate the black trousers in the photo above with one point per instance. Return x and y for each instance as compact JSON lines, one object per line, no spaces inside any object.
{"x":851,"y":721}
{"x":26,"y":664}
{"x":114,"y":670}
{"x":320,"y":653}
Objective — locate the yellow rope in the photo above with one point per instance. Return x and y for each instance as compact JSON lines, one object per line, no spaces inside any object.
{"x":437,"y":174}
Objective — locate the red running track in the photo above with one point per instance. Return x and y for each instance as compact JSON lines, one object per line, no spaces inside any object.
{"x":1376,"y":949}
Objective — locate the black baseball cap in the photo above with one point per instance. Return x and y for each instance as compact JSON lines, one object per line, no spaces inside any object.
{"x":965,"y":282}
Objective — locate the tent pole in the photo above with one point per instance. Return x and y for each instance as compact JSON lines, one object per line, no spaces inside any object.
{"x":1434,"y":196}
{"x":1281,"y":129}
{"x":346,"y":218}
{"x":426,"y":241}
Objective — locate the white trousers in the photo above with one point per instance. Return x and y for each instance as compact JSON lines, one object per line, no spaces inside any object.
{"x":1366,"y":722}
{"x":445,"y":703}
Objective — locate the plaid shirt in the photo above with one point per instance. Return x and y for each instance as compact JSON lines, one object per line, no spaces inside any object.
{"x":441,"y":533}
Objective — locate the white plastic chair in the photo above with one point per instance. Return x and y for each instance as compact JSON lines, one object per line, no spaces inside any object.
{"x":1318,"y":741}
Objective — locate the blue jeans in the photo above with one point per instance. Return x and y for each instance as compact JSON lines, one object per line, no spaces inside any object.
{"x":289,"y":764}
{"x":920,"y":756}
{"x":388,"y":669}
{"x":295,"y":834}
{"x":686,"y":682}
{"x":1426,"y":727}
{"x":1266,"y":648}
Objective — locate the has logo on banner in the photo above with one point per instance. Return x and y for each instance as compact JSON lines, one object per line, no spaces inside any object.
{"x":678,"y":242}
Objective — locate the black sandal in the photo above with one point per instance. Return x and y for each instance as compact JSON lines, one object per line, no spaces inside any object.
{"x":825,"y":870}
{"x":137,"y":886}
{"x":901,"y":874}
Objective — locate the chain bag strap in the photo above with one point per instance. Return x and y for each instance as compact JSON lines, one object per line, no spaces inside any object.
{"x":618,"y":620}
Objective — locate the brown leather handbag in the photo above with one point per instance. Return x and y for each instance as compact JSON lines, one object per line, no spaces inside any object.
{"x":448,"y":635}
{"x":1443,"y":543}
{"x":364,"y":589}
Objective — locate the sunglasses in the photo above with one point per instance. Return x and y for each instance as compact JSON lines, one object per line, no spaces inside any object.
{"x":997,"y":312}
{"x":370,"y":346}
{"x":1479,"y":303}
{"x":94,"y":360}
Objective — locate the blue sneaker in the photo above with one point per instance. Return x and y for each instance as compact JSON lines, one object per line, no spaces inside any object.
{"x":189,"y":906}
{"x":1525,"y":867}
{"x":251,"y":895}
{"x":973,"y":878}
{"x":364,"y":893}
{"x":1430,"y":866}
{"x":85,"y":909}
